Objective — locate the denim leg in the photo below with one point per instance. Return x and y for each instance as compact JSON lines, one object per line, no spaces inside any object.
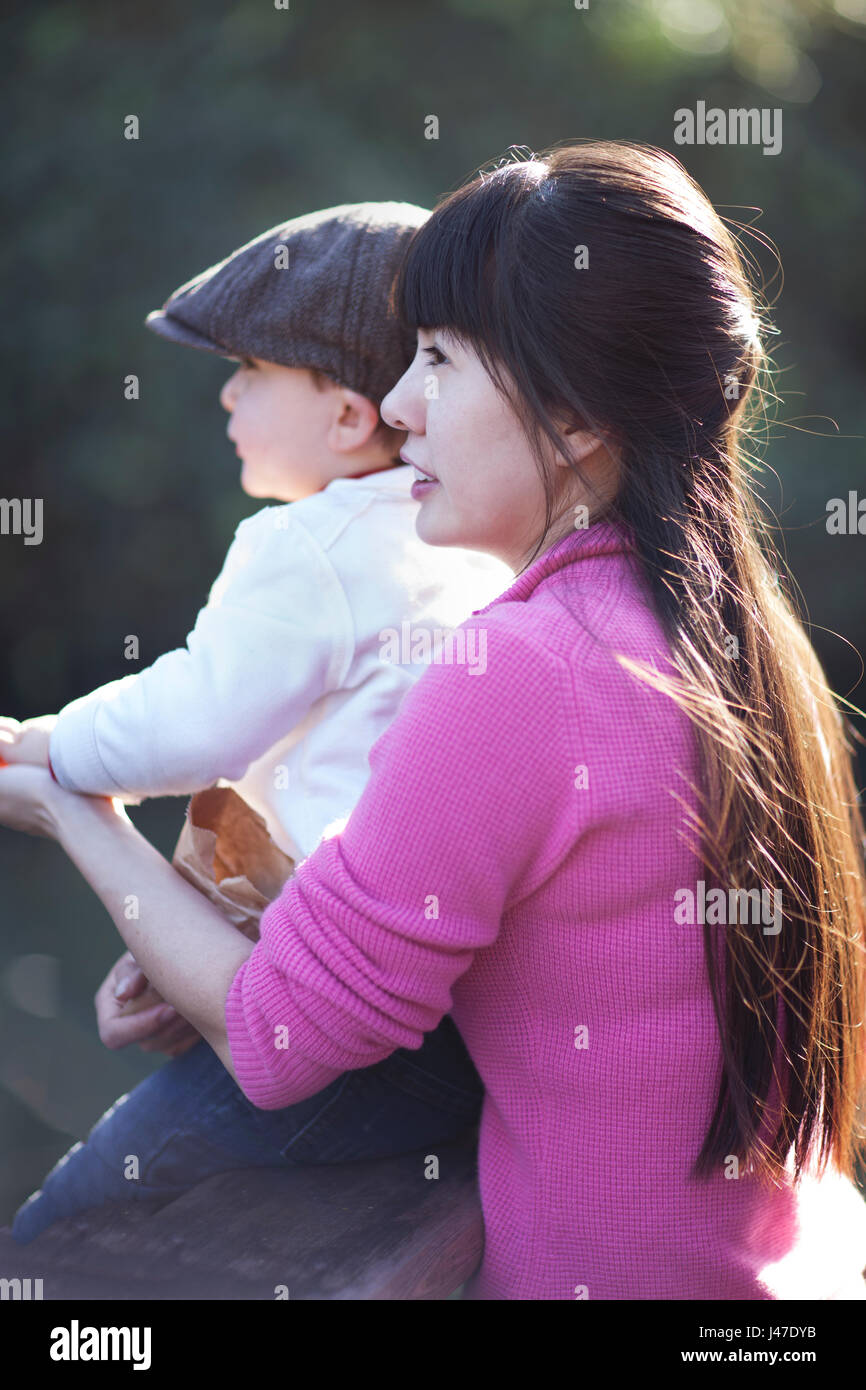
{"x":409,"y":1100}
{"x":190,"y":1119}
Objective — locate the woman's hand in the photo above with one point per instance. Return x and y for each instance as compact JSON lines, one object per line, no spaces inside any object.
{"x":154,"y":1025}
{"x":27,"y":742}
{"x":29,"y":798}
{"x":187,"y":948}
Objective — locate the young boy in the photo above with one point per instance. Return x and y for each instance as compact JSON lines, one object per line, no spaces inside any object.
{"x":286,"y":680}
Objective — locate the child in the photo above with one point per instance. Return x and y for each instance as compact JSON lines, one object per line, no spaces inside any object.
{"x":286,"y":680}
{"x":288,"y":677}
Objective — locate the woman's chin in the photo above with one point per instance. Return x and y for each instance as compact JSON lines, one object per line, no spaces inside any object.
{"x":433,"y":528}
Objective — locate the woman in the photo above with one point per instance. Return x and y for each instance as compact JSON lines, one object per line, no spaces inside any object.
{"x":572,"y":850}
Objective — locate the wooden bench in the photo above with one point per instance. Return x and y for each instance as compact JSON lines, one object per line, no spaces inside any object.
{"x":372,"y":1230}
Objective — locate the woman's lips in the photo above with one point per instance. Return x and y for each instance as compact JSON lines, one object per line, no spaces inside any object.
{"x":424,"y":482}
{"x":424,"y":472}
{"x":422,"y":486}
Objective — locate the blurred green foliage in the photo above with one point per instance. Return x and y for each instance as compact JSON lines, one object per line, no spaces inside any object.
{"x":250,"y":115}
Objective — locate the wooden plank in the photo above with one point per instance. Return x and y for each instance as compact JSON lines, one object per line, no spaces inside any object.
{"x":373,"y":1230}
{"x":27,"y":1262}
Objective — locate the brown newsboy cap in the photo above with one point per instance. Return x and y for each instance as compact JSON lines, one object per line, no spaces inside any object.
{"x":312,"y":292}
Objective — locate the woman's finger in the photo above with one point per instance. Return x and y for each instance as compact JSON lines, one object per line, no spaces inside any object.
{"x":125,"y":972}
{"x":130,"y":984}
{"x":118,"y":1031}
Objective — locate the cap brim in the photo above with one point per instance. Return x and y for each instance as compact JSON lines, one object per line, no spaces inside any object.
{"x":167,"y":326}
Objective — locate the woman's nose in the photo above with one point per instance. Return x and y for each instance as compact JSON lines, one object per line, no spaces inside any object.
{"x":399,"y":409}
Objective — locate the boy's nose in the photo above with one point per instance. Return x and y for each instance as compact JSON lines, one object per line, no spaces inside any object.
{"x":228,"y":394}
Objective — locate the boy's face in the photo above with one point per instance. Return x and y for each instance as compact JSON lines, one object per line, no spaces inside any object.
{"x":283,"y":429}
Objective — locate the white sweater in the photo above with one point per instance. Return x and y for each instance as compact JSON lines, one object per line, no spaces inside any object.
{"x":325,"y":612}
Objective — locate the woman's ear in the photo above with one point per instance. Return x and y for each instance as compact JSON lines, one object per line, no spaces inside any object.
{"x":580,"y":444}
{"x":578,"y":440}
{"x":600,"y":455}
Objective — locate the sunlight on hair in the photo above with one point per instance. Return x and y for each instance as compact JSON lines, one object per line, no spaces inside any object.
{"x":531,"y":165}
{"x":748,"y":325}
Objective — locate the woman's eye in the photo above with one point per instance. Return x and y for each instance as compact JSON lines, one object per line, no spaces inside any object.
{"x":440,"y":356}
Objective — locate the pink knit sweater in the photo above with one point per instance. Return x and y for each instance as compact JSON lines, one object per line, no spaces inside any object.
{"x":514,"y":859}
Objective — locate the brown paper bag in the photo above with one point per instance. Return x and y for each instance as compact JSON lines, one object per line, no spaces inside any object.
{"x":225,"y":851}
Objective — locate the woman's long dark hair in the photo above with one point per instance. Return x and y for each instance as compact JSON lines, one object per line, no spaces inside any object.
{"x":596,"y":283}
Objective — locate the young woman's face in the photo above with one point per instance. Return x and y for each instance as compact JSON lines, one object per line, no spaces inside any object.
{"x":487,"y":494}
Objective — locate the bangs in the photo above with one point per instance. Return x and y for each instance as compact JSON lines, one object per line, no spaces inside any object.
{"x":459,"y":264}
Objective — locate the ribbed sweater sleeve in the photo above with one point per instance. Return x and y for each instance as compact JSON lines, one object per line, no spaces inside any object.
{"x":470,"y":805}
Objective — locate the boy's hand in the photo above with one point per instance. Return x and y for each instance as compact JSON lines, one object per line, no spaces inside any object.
{"x":27,"y":742}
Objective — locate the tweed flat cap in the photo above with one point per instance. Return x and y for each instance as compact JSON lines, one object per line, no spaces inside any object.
{"x":312,"y":292}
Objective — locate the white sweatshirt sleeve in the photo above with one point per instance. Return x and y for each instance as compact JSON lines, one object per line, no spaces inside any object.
{"x":275,"y":635}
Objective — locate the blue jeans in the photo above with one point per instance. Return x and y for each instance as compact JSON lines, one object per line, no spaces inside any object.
{"x":190,"y":1119}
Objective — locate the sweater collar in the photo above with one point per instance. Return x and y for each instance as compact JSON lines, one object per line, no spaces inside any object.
{"x":602,"y":538}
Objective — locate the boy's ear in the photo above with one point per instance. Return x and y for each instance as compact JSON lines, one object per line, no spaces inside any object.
{"x":354,"y":421}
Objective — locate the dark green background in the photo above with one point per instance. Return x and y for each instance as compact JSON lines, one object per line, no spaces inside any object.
{"x":251,"y":115}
